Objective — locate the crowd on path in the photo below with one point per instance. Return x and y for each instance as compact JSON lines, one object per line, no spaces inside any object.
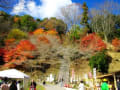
{"x":16,"y":85}
{"x":9,"y":85}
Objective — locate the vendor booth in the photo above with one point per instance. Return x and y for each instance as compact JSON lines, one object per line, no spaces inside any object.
{"x":15,"y":74}
{"x":112,"y":78}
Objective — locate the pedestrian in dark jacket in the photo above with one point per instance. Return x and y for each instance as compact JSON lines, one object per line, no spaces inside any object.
{"x":33,"y":85}
{"x":13,"y":86}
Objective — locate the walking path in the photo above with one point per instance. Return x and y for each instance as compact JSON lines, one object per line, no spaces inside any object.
{"x":56,"y":87}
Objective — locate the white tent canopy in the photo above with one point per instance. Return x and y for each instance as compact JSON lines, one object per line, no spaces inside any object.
{"x":13,"y":73}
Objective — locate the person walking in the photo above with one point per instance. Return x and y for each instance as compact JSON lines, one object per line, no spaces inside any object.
{"x":33,"y":85}
{"x":4,"y":85}
{"x":18,"y":85}
{"x":118,"y":84}
{"x":13,"y":86}
{"x":104,"y":85}
{"x":81,"y":86}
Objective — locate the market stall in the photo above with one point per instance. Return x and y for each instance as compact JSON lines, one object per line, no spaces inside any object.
{"x":15,"y":74}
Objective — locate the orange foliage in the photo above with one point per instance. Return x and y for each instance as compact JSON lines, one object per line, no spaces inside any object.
{"x":92,"y":42}
{"x":38,"y":31}
{"x":9,"y":41}
{"x":43,"y":39}
{"x":25,"y":45}
{"x":16,"y":19}
{"x":116,"y":44}
{"x":41,"y":31}
{"x":20,"y":52}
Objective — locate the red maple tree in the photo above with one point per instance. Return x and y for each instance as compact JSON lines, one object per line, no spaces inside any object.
{"x":92,"y":42}
{"x":116,"y":44}
{"x":19,"y":53}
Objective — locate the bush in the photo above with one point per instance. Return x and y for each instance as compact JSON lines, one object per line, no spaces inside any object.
{"x":17,"y":34}
{"x":100,"y":62}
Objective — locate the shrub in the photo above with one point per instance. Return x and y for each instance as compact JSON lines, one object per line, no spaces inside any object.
{"x":17,"y":34}
{"x":100,"y":62}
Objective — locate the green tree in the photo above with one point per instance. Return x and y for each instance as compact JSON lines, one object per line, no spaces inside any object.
{"x":84,"y":19}
{"x":5,"y":26}
{"x":99,"y":61}
{"x":75,"y":32}
{"x":117,"y":27}
{"x":16,"y":21}
{"x":27,"y":23}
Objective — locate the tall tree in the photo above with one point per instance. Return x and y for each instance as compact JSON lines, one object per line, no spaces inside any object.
{"x":5,"y":26}
{"x":84,"y":20}
{"x":102,"y":20}
{"x":71,"y":14}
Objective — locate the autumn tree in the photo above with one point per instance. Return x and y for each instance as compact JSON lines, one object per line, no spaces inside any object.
{"x":116,"y":44}
{"x":18,"y":53}
{"x":53,"y":23}
{"x":91,"y":43}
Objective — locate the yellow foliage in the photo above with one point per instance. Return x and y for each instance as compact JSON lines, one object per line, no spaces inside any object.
{"x":41,"y":31}
{"x":38,"y":31}
{"x":52,"y":32}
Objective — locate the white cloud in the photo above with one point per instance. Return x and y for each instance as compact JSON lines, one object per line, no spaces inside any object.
{"x":19,"y":7}
{"x":48,"y":8}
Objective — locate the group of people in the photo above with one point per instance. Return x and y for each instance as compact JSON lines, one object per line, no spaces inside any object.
{"x":13,"y":85}
{"x":105,"y":85}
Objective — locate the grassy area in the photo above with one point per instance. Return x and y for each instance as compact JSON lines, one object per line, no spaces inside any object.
{"x":39,"y":87}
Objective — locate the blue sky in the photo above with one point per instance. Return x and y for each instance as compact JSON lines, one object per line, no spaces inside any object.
{"x":47,"y":8}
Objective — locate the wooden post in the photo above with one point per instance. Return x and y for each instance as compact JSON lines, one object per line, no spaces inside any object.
{"x":115,"y":84}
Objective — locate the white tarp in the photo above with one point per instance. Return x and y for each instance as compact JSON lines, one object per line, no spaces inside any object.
{"x":13,"y":73}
